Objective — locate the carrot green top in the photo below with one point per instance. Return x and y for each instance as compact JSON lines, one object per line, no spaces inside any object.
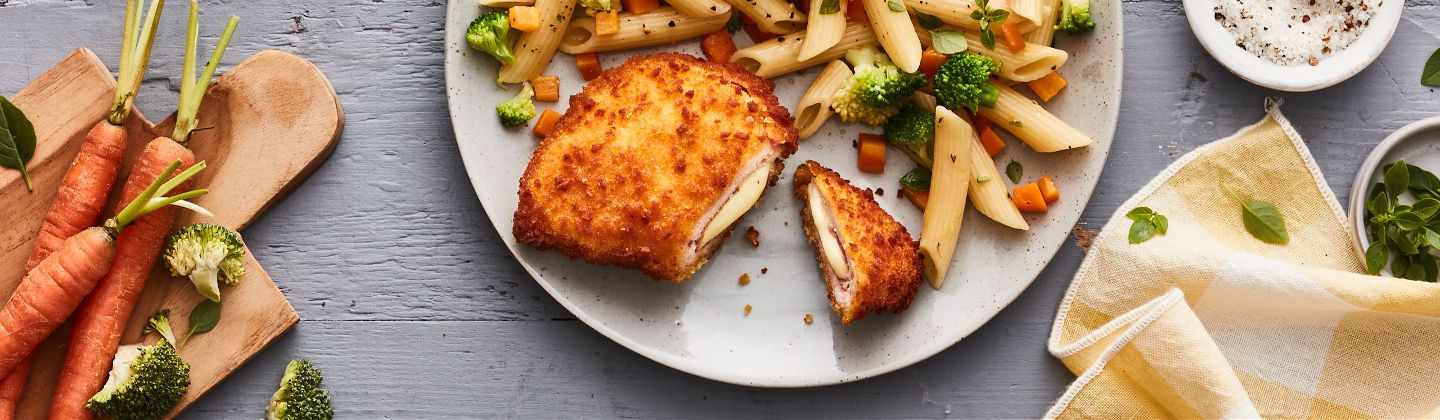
{"x":153,"y":198}
{"x":134,"y":56}
{"x":191,"y":89}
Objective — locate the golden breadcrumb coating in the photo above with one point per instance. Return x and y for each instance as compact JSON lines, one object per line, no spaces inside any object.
{"x":884,"y":260}
{"x":642,"y":159}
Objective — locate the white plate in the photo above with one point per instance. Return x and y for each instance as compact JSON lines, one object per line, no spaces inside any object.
{"x":699,"y":326}
{"x":1220,"y":43}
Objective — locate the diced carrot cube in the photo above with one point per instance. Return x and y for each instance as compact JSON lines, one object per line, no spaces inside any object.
{"x":1048,"y":189}
{"x":918,"y":198}
{"x":639,"y":6}
{"x":855,"y":10}
{"x":1046,"y":87}
{"x":524,"y":18}
{"x":607,"y":23}
{"x":589,"y":65}
{"x":718,"y":46}
{"x":546,"y":124}
{"x":547,"y":88}
{"x":1028,"y":198}
{"x":872,"y":153}
{"x":991,"y":141}
{"x":1012,"y":36}
{"x":757,"y":35}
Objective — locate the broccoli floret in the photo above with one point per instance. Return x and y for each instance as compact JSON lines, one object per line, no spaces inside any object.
{"x":963,"y":81}
{"x":300,"y":396}
{"x":518,"y":111}
{"x":596,"y":6}
{"x":1074,"y":17}
{"x":913,"y":131}
{"x":491,"y":33}
{"x":145,"y":383}
{"x":877,"y":89}
{"x":160,"y":323}
{"x":208,"y":254}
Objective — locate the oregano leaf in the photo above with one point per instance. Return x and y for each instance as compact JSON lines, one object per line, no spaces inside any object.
{"x":1376,"y":256}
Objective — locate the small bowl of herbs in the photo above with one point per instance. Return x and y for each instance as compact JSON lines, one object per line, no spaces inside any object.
{"x":1395,"y":203}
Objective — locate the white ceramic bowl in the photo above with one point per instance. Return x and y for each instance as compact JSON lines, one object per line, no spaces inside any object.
{"x":1418,"y":143}
{"x":1297,"y":78}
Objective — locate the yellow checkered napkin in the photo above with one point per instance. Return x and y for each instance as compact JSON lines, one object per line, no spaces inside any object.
{"x":1209,"y":322}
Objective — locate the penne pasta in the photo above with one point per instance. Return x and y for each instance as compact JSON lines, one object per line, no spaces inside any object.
{"x":990,"y":196}
{"x":1033,"y":62}
{"x":923,"y":100}
{"x":701,"y":8}
{"x":1032,"y":124}
{"x":814,"y":107}
{"x":782,"y":54}
{"x":1031,"y":10}
{"x":1044,"y":33}
{"x":957,"y":12}
{"x":506,"y":4}
{"x":824,"y":30}
{"x":773,"y":16}
{"x":949,"y":184}
{"x":534,"y":49}
{"x":896,"y":32}
{"x":663,"y":25}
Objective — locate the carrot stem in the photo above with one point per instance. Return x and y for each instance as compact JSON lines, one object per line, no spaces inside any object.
{"x":143,"y":203}
{"x":192,"y":91}
{"x":134,"y":56}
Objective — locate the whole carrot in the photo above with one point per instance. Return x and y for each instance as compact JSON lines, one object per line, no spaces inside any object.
{"x":52,"y":291}
{"x":101,"y":318}
{"x":86,"y":185}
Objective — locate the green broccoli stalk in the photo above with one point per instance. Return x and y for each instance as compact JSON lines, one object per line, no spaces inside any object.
{"x":208,"y":254}
{"x":963,"y":81}
{"x":913,"y":131}
{"x":491,"y":33}
{"x":876,"y":91}
{"x":160,"y":323}
{"x":145,"y":383}
{"x":518,"y":111}
{"x":300,"y":396}
{"x":1074,"y":17}
{"x":596,"y":6}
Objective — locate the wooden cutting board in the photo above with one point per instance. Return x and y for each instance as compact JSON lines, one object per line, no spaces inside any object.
{"x":275,"y":120}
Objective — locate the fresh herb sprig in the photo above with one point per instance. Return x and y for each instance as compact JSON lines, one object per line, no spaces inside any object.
{"x":1146,"y":224}
{"x":17,"y":140}
{"x":1408,"y":232}
{"x":987,"y":17}
{"x":917,"y":179}
{"x":1262,"y":219}
{"x":1014,"y":171}
{"x":1430,"y":76}
{"x":946,"y":41}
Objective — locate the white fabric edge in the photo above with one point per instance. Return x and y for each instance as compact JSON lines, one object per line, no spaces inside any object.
{"x":1272,"y":111}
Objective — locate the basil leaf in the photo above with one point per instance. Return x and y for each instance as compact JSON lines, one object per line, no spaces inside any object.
{"x":1408,"y":221}
{"x":1141,"y":230}
{"x":1375,"y":257}
{"x":1265,"y":223}
{"x":949,"y":42}
{"x":1422,"y":179}
{"x":1162,"y":224}
{"x":982,"y":3}
{"x":1406,"y":245}
{"x":989,"y":94}
{"x":1397,"y":178}
{"x":1431,"y":75}
{"x":895,"y":6}
{"x":1427,"y":262}
{"x":917,"y":179}
{"x":203,"y":318}
{"x":17,"y":140}
{"x":928,"y":21}
{"x":977,"y":15}
{"x":1380,"y":205}
{"x":987,"y":38}
{"x":1415,"y":271}
{"x":1400,"y":265}
{"x":1426,"y":208}
{"x":828,"y":7}
{"x":997,"y":16}
{"x":1014,"y":171}
{"x":1140,"y":213}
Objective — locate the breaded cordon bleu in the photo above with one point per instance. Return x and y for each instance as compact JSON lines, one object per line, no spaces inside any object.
{"x":653,"y":164}
{"x":869,"y":261}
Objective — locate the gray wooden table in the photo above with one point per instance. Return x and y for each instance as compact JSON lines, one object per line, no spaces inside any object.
{"x":413,"y":307}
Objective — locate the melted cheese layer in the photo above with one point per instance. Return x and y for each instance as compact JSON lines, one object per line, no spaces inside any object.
{"x":829,"y":245}
{"x":743,"y":199}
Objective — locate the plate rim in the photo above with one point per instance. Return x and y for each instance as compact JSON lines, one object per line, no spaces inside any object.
{"x":941,"y":343}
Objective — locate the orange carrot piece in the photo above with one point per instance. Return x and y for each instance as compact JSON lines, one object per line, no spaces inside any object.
{"x":547,"y":88}
{"x":855,"y":11}
{"x":979,"y":120}
{"x":546,"y":123}
{"x":11,"y":387}
{"x":1046,"y":87}
{"x":1012,"y":36}
{"x":607,"y":23}
{"x":990,"y":140}
{"x":1048,"y":189}
{"x":872,"y":153}
{"x":1028,"y":198}
{"x":918,"y":198}
{"x":51,"y":292}
{"x":101,"y":318}
{"x":589,"y":65}
{"x":930,"y":61}
{"x":757,"y":35}
{"x":639,"y":7}
{"x":83,"y":191}
{"x":718,"y":46}
{"x":524,"y":18}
